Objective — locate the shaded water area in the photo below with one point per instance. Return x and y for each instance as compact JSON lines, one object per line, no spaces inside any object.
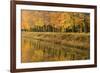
{"x":43,"y":47}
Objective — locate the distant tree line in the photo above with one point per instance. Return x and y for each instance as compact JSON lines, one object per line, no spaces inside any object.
{"x":49,"y":28}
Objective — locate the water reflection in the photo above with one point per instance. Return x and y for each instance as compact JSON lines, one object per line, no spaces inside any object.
{"x":34,"y":50}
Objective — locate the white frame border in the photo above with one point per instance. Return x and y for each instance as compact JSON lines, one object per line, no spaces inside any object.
{"x":20,"y":65}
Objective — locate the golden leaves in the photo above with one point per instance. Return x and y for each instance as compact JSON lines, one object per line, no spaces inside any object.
{"x":59,"y":20}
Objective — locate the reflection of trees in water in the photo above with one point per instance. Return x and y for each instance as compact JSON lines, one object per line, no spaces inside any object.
{"x":34,"y":50}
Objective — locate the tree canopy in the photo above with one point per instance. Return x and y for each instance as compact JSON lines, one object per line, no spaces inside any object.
{"x":54,"y":21}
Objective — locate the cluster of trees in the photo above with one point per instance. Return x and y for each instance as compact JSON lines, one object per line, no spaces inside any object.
{"x":52,"y":21}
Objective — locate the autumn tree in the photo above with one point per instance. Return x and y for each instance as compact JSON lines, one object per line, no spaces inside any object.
{"x":52,"y":21}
